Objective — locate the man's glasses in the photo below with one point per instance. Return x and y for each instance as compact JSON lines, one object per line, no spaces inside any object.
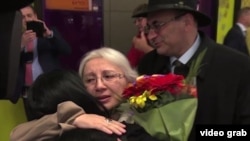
{"x":107,"y":76}
{"x":156,"y":25}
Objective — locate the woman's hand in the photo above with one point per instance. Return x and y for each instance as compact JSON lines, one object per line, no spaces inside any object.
{"x":101,"y":123}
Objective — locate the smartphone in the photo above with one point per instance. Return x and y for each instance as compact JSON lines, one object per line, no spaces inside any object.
{"x":36,"y":27}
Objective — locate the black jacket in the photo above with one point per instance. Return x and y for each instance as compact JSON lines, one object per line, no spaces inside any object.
{"x":236,"y":40}
{"x":49,"y":52}
{"x":223,"y":83}
{"x":136,"y":133}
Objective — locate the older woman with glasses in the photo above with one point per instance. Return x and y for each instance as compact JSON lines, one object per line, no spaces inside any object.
{"x":105,"y":73}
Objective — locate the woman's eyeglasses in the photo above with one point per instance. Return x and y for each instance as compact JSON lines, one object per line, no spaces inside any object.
{"x":107,"y":76}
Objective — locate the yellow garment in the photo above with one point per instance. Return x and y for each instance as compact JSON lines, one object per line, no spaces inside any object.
{"x":225,"y":18}
{"x":10,"y":116}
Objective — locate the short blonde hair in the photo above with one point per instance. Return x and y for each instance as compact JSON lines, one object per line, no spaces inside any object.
{"x":113,"y":56}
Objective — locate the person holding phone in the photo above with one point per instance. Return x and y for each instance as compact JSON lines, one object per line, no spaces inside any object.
{"x":41,"y":48}
{"x":140,"y":44}
{"x":32,"y":26}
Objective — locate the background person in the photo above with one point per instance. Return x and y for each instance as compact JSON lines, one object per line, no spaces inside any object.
{"x":236,"y":36}
{"x":223,"y":81}
{"x":38,"y":54}
{"x":140,"y":45}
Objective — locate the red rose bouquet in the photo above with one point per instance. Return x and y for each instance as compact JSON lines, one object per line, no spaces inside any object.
{"x":165,"y":105}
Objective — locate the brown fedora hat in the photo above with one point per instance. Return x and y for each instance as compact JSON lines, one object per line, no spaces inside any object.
{"x":184,"y":5}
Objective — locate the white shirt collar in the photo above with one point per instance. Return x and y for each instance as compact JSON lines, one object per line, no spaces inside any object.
{"x":242,"y":27}
{"x":189,"y":53}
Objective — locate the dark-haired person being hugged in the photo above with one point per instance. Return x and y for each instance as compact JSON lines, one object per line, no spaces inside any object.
{"x":48,"y":94}
{"x":79,"y":134}
{"x":222,"y":79}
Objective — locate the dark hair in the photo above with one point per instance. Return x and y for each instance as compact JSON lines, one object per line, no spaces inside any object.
{"x":242,"y":11}
{"x":30,"y":6}
{"x":52,"y":88}
{"x":134,"y":133}
{"x":86,"y":135}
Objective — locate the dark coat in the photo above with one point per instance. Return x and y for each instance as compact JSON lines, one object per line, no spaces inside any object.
{"x":223,"y":83}
{"x":136,"y":133}
{"x":236,"y":40}
{"x":49,"y":51}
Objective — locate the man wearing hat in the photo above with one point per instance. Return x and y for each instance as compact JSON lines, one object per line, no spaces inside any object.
{"x":140,"y":45}
{"x":223,"y":80}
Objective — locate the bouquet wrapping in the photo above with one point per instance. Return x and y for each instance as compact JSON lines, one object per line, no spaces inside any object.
{"x":164,"y":105}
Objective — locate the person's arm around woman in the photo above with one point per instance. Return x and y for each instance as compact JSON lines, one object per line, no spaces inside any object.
{"x":68,"y":115}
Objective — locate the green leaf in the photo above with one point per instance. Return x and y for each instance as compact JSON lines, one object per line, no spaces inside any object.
{"x":195,"y":67}
{"x":171,"y":122}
